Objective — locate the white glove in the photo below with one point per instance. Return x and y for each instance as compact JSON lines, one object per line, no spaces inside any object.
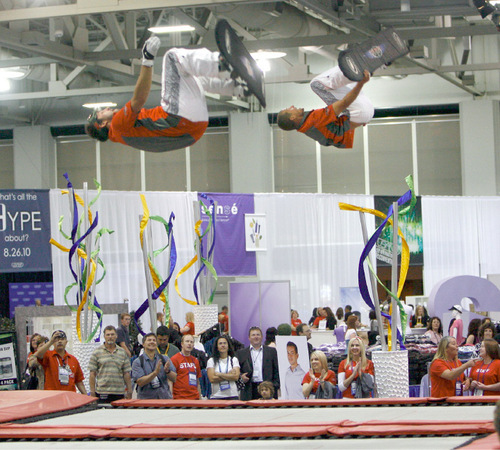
{"x":149,"y":51}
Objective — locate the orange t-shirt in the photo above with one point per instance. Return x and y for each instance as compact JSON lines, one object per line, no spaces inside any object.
{"x":224,"y":319}
{"x":185,"y":365}
{"x":330,"y":376}
{"x":324,"y":126}
{"x":295,"y":323}
{"x":347,"y":369}
{"x":318,"y":320}
{"x":441,"y":387}
{"x":191,"y":328}
{"x":51,"y":362}
{"x":487,"y":374}
{"x":154,"y":129}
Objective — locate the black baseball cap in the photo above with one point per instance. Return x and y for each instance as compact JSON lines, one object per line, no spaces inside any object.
{"x":62,"y":334}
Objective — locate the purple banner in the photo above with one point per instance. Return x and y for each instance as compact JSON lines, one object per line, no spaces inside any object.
{"x":25,"y":231}
{"x":230,"y":255}
{"x":30,"y":294}
{"x":244,"y":309}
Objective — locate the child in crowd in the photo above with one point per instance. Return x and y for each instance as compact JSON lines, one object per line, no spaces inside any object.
{"x":266,"y":390}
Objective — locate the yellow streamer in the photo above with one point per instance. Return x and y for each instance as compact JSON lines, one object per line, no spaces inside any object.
{"x":405,"y":251}
{"x":185,"y":269}
{"x":152,"y":271}
{"x":80,"y":202}
{"x":405,"y":254}
{"x":197,"y":230}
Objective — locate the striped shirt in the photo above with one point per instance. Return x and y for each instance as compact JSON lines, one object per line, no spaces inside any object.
{"x":154,"y":130}
{"x":109,"y":368}
{"x":324,"y":126}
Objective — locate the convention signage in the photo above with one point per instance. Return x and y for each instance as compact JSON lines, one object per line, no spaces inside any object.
{"x":8,"y":367}
{"x":24,"y":231}
{"x":230,"y":255}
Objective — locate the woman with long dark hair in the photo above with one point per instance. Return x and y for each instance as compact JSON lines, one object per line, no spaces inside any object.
{"x":473,"y":332}
{"x":223,"y":369}
{"x":434,"y":330}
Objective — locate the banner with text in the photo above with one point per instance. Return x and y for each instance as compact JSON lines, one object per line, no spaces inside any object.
{"x":8,"y":367}
{"x":230,"y":255}
{"x":410,"y":225}
{"x":25,"y":231}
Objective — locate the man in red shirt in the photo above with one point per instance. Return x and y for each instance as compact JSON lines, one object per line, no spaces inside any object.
{"x":62,"y":370}
{"x":187,"y":384}
{"x":224,"y":319}
{"x":182,"y":117}
{"x":334,"y":125}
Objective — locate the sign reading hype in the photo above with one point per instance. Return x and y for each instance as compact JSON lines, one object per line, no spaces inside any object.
{"x":24,"y":231}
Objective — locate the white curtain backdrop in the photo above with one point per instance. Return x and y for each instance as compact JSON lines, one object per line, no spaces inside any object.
{"x":450,"y":238}
{"x":488,"y":216}
{"x":121,"y":251}
{"x":312,"y":243}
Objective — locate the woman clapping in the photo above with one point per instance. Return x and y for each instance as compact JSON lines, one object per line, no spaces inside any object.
{"x":319,"y":382}
{"x":353,"y":368}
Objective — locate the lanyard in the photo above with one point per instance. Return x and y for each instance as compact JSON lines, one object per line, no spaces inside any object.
{"x":257,"y":357}
{"x":166,"y":351}
{"x":454,"y":366}
{"x":484,"y":373}
{"x":64,"y":361}
{"x":152,"y":363}
{"x":227,"y":364}
{"x":188,"y":363}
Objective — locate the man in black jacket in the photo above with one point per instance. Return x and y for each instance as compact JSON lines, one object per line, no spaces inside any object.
{"x":258,"y":363}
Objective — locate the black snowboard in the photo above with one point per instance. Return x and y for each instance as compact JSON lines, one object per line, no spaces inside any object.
{"x":379,"y":50}
{"x":240,"y":60}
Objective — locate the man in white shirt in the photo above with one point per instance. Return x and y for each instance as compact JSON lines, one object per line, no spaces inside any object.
{"x":294,"y":374}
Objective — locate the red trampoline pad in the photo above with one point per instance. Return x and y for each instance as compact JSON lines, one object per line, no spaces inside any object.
{"x":490,"y":442}
{"x":16,"y":405}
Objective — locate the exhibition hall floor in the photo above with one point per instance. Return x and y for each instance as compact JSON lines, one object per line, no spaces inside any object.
{"x":72,"y":421}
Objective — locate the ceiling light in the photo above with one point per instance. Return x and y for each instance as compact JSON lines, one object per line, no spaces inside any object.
{"x":264,"y":65}
{"x":99,"y":105}
{"x":4,"y":84}
{"x":14,"y":73}
{"x":171,"y":29}
{"x":261,"y":54}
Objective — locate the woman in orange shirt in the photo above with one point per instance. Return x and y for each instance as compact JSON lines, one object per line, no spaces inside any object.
{"x":447,"y":370}
{"x":484,"y":378}
{"x":189,"y":327}
{"x":355,"y":364}
{"x":319,"y":376}
{"x":295,"y":321}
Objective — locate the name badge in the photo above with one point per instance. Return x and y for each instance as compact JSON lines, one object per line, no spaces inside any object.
{"x":224,"y":385}
{"x":155,"y":383}
{"x":64,"y":374}
{"x":192,"y":379}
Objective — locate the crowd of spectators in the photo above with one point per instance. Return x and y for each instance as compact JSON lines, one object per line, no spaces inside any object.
{"x":169,"y":366}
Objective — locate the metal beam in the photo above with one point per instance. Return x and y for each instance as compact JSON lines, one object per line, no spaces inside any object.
{"x":105,"y":6}
{"x":108,"y":91}
{"x":317,"y":41}
{"x":444,"y":76}
{"x":115,"y":31}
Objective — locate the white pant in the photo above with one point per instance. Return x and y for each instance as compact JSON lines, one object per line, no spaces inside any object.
{"x":333,"y":85}
{"x":186,"y":75}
